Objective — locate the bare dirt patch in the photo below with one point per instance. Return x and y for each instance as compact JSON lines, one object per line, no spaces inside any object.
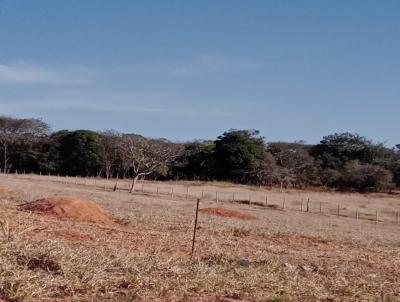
{"x":69,"y":208}
{"x":4,"y":191}
{"x":227,"y":213}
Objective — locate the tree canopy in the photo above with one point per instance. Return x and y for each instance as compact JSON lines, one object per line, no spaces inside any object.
{"x":237,"y":152}
{"x":344,"y":161}
{"x":81,"y":152}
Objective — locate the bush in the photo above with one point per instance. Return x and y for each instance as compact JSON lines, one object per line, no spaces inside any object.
{"x":366,"y":177}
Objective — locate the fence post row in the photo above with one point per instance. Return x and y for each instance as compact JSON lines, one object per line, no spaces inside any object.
{"x":187,"y":195}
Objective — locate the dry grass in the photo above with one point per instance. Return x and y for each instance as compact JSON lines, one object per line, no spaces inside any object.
{"x":280,"y":256}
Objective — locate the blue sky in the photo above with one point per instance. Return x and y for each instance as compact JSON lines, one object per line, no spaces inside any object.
{"x":295,"y":70}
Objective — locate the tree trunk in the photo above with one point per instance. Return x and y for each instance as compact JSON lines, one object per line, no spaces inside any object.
{"x":5,"y":158}
{"x":133,"y":184}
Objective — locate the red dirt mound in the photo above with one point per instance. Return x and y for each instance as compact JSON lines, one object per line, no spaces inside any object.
{"x":227,"y":213}
{"x":70,"y":208}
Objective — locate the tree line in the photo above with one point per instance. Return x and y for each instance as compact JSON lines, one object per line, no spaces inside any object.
{"x":343,"y":161}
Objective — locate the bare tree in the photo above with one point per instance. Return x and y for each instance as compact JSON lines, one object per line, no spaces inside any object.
{"x":111,"y":141}
{"x":14,"y":130}
{"x":144,"y":156}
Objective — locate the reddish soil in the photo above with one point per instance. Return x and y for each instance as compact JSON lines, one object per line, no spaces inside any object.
{"x":69,"y":208}
{"x":227,"y":213}
{"x":4,"y":191}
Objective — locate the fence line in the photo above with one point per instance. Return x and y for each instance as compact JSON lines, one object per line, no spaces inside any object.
{"x":217,"y":196}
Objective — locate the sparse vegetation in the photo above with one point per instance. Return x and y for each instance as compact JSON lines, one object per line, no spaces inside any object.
{"x":278,"y":256}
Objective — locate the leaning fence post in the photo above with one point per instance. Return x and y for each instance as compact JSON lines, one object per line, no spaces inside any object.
{"x":195,"y":226}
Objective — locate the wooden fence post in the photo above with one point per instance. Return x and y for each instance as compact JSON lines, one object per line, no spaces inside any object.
{"x":308,"y":205}
{"x":187,"y":193}
{"x":266,"y":200}
{"x":233,"y":196}
{"x":357,"y":214}
{"x":172,"y":192}
{"x":283,"y":203}
{"x":338,"y":210}
{"x":301,"y":207}
{"x":320,"y":207}
{"x":195,"y":227}
{"x":216,"y":196}
{"x":376,"y":216}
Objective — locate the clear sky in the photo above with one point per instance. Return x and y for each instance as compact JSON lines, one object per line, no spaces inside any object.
{"x":295,"y":70}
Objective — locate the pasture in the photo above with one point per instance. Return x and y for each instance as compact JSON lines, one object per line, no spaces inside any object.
{"x":252,"y":244}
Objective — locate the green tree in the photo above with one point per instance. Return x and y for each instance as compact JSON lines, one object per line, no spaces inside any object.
{"x":81,"y":153}
{"x":237,"y":152}
{"x":337,"y":149}
{"x":197,"y":161}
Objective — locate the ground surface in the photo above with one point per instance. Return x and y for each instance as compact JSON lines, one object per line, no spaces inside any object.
{"x":243,"y":252}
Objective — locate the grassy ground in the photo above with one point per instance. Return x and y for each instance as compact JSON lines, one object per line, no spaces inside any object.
{"x":282,"y":255}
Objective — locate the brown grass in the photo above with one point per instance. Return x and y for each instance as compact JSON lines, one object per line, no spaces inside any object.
{"x":280,"y":256}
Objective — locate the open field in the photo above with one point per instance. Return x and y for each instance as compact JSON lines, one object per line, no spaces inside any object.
{"x":275,"y":255}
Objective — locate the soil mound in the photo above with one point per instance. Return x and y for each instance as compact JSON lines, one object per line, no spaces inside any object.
{"x":69,"y":208}
{"x":227,"y":213}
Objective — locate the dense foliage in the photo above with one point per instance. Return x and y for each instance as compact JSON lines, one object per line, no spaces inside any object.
{"x":343,"y":161}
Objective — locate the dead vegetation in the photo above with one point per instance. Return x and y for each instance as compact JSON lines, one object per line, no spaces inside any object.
{"x":279,"y":256}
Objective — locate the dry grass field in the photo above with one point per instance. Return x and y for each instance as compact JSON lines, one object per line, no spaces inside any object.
{"x":244,"y":252}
